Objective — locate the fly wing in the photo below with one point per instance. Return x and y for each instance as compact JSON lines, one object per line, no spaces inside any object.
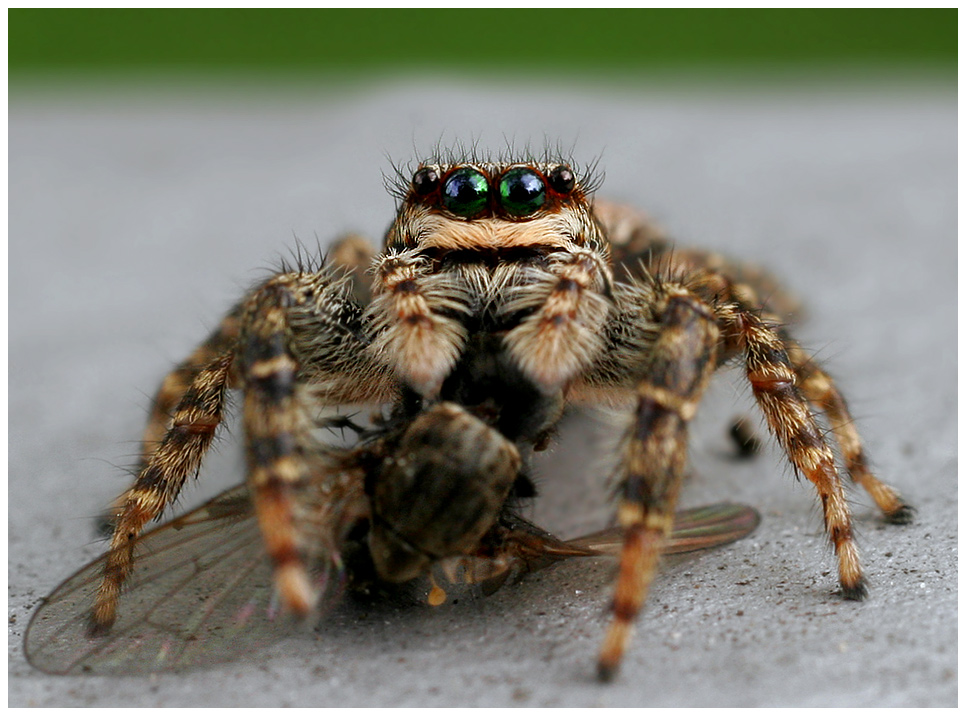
{"x":201,"y":592}
{"x":695,"y":529}
{"x":527,"y":548}
{"x":711,"y":526}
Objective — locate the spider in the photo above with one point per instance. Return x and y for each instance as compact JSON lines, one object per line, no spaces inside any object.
{"x":502,"y":295}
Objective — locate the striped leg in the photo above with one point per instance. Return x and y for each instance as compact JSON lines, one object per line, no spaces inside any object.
{"x":684,"y":356}
{"x":178,"y":455}
{"x":774,"y":384}
{"x":416,"y":315}
{"x":352,"y":253}
{"x":276,"y":427}
{"x":821,"y":391}
{"x":176,"y":383}
{"x":312,"y":310}
{"x":301,"y":341}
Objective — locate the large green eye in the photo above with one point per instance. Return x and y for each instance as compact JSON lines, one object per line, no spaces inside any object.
{"x":521,"y":191}
{"x":465,"y":192}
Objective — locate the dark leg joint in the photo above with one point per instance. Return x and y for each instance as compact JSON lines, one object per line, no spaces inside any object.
{"x":607,"y":673}
{"x":902,"y":515}
{"x":858,"y":592}
{"x":96,"y":629}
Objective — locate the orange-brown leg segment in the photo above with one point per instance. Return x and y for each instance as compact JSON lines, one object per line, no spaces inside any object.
{"x":821,"y":391}
{"x":179,"y":454}
{"x":290,"y":317}
{"x":774,"y":384}
{"x":276,"y":428}
{"x":176,"y":383}
{"x":683,"y":358}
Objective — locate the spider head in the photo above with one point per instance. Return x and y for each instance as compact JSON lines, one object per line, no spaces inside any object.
{"x":493,"y":205}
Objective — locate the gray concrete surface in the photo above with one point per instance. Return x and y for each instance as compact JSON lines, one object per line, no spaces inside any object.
{"x":136,"y":218}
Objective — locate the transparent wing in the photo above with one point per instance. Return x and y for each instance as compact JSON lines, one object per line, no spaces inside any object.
{"x":529,"y":548}
{"x":695,"y":529}
{"x":201,"y":592}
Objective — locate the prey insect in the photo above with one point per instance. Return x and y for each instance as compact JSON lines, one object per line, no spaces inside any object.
{"x":501,"y":296}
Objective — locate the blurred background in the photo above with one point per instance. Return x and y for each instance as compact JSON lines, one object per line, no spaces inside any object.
{"x":525,"y":45}
{"x":161,"y":161}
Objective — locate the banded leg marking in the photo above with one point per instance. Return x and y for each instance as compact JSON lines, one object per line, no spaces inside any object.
{"x":416,"y":315}
{"x":683,"y":359}
{"x":774,"y":384}
{"x":275,"y":428}
{"x":563,"y":332}
{"x":177,"y":382}
{"x":179,"y":454}
{"x":821,"y":391}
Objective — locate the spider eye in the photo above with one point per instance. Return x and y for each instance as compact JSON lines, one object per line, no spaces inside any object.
{"x":561,"y":179}
{"x":465,"y":192}
{"x":522,"y":191}
{"x":425,"y":181}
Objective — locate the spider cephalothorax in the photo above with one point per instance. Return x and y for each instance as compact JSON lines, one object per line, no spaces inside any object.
{"x":459,"y":264}
{"x":501,"y":296}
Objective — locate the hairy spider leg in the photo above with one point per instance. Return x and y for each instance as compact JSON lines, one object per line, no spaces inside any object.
{"x":312,"y":311}
{"x":821,"y":391}
{"x":682,"y":359}
{"x":774,"y":385}
{"x":784,"y":379}
{"x":177,"y":382}
{"x":292,"y":317}
{"x":745,"y":287}
{"x":567,"y":307}
{"x":276,"y":429}
{"x":751,"y":331}
{"x":644,"y":250}
{"x":179,"y":454}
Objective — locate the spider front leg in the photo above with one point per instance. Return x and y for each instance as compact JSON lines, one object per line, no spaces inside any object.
{"x":568,"y":305}
{"x":276,"y":429}
{"x":302,"y":343}
{"x":682,"y":359}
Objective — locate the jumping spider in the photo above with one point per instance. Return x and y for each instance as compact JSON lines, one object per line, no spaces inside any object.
{"x":501,"y":296}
